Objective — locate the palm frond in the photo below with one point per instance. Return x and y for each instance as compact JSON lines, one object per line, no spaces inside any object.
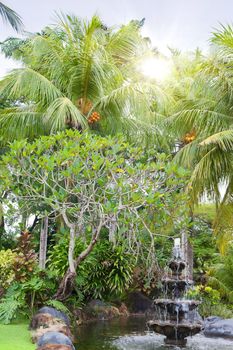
{"x":28,"y":83}
{"x":62,"y":113}
{"x":21,"y":122}
{"x":223,"y":139}
{"x":201,"y":120}
{"x":212,"y":169}
{"x":11,"y":17}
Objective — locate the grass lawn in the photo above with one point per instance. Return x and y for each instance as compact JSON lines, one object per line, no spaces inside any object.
{"x":207,"y":211}
{"x":15,"y":337}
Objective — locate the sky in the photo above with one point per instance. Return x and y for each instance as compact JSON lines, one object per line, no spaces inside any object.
{"x":181,"y":24}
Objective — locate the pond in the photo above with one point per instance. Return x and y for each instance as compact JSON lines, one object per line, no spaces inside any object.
{"x":132,"y":334}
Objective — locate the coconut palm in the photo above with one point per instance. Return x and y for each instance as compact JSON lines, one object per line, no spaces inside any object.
{"x":11,"y":17}
{"x":203,"y":121}
{"x":78,"y":74}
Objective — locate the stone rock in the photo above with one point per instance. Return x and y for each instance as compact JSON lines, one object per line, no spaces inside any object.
{"x":99,"y":310}
{"x":123,"y":310}
{"x":96,"y":303}
{"x":54,"y":347}
{"x":217,"y":327}
{"x":212,"y":319}
{"x":194,"y":316}
{"x":61,"y":328}
{"x":54,"y":338}
{"x":44,"y":320}
{"x":139,"y":303}
{"x":54,"y":313}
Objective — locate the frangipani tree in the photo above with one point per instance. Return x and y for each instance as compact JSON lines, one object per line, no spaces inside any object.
{"x":96,"y":183}
{"x":78,"y":74}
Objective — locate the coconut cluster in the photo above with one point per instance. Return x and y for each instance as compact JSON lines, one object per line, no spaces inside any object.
{"x":94,"y":117}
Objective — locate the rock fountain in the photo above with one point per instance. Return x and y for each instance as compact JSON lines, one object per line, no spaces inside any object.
{"x":176,"y":317}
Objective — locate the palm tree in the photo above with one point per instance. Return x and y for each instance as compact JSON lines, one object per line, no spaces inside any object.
{"x":203,"y":121}
{"x":11,"y":17}
{"x":79,"y":74}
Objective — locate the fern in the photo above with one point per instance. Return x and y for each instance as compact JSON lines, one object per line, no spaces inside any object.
{"x":58,"y":305}
{"x":8,"y":309}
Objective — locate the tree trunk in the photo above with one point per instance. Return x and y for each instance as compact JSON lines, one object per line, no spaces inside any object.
{"x":2,"y":224}
{"x":188,"y":255}
{"x":66,"y":286}
{"x":71,"y":249}
{"x":43,"y":242}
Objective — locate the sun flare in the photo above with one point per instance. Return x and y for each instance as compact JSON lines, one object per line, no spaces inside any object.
{"x":156,"y":68}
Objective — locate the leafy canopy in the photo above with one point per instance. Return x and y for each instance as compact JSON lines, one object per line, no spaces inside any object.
{"x":73,"y":71}
{"x":95,"y":182}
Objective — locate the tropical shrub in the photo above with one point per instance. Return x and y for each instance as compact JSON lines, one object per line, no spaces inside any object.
{"x":204,"y":248}
{"x":26,"y":296}
{"x":13,"y":303}
{"x":107,"y":273}
{"x":7,"y":274}
{"x":220,"y":276}
{"x":58,"y":253}
{"x":25,"y":260}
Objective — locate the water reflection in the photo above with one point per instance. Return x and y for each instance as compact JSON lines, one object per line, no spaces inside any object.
{"x":132,"y":334}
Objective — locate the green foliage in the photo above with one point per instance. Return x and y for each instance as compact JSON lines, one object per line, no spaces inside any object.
{"x":204,"y":247}
{"x":58,"y":305}
{"x":25,"y":297}
{"x":9,"y":308}
{"x":220,"y":277}
{"x":12,"y":303}
{"x":25,"y":259}
{"x":58,"y":253}
{"x":209,"y":297}
{"x":206,"y":211}
{"x":204,"y":107}
{"x":98,"y":184}
{"x":107,"y":273}
{"x":66,"y":88}
{"x":7,"y":275}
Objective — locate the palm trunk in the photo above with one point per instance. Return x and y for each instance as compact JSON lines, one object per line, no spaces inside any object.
{"x":43,"y":242}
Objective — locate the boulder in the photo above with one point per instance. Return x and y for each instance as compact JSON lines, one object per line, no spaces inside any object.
{"x":54,"y":338}
{"x":99,"y":310}
{"x":212,"y":319}
{"x":123,"y":310}
{"x":54,"y":313}
{"x":54,"y":347}
{"x":61,"y":328}
{"x":217,"y":327}
{"x":139,"y":303}
{"x":44,"y":320}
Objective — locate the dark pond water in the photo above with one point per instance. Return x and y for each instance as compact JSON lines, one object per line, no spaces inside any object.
{"x":132,"y":334}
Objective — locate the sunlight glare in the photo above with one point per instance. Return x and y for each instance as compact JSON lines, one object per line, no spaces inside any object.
{"x":156,"y":68}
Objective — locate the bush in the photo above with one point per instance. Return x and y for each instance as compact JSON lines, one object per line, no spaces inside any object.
{"x":58,"y":254}
{"x":211,"y":303}
{"x":25,"y":260}
{"x":108,"y":272}
{"x":7,"y":275}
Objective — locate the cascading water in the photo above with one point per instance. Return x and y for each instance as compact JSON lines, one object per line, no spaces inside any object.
{"x":178,"y":318}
